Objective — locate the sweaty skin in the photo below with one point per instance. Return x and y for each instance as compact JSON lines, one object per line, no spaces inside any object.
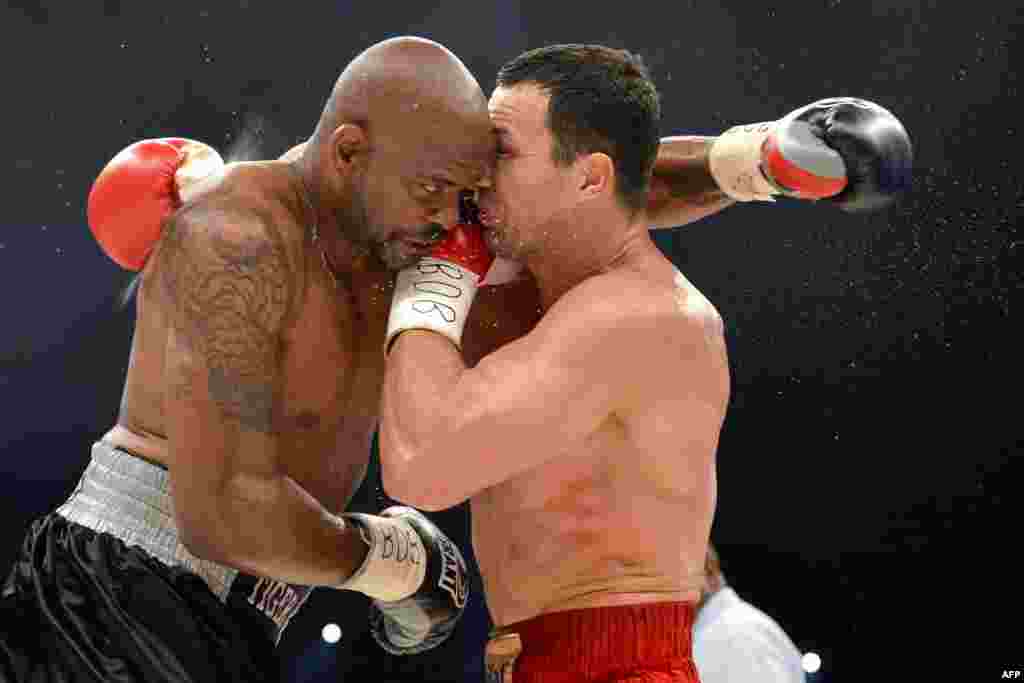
{"x":622,"y":516}
{"x":587,"y":447}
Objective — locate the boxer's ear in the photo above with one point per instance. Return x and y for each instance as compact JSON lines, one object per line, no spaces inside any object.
{"x":348,"y":141}
{"x":597,"y":175}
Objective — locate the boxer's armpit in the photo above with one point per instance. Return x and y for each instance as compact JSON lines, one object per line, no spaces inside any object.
{"x":232,"y":290}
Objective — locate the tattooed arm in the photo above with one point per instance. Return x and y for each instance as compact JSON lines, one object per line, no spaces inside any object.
{"x":231,"y":289}
{"x":682,"y":189}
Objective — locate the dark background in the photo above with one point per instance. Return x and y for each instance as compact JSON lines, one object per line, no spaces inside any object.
{"x":869,"y":466}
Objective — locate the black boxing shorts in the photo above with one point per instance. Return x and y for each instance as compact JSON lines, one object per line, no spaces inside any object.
{"x":103,"y":590}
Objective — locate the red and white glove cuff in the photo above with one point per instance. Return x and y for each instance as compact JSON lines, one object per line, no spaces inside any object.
{"x":432,"y":295}
{"x":735,"y":161}
{"x":200,"y":163}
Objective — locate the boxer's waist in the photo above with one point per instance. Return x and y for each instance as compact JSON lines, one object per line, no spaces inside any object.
{"x":600,"y":638}
{"x":127,"y":497}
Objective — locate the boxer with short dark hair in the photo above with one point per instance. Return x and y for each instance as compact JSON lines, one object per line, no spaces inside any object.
{"x":587,"y":447}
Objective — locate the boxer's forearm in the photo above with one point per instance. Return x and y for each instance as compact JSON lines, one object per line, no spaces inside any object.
{"x":274,"y":528}
{"x":419,"y":413}
{"x":682,"y":188}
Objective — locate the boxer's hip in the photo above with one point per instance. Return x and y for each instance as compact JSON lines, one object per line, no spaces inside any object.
{"x":598,"y":644}
{"x":128,"y":497}
{"x":80,"y":605}
{"x":108,"y":568}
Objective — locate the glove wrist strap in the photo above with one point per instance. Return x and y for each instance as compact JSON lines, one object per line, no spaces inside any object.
{"x":199,"y":163}
{"x":396,"y":563}
{"x":432,"y":295}
{"x":735,"y":162}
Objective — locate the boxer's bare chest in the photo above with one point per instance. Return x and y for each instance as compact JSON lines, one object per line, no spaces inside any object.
{"x":334,"y":370}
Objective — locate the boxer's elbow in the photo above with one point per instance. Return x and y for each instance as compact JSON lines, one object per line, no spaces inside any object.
{"x":423,"y":497}
{"x":201,"y":540}
{"x":410,"y":477}
{"x":420,"y":499}
{"x":207,"y":531}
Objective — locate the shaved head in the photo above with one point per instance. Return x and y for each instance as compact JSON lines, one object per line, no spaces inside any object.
{"x":404,"y":131}
{"x":408,"y":81}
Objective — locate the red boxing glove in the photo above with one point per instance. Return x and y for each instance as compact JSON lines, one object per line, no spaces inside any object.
{"x":436,"y":293}
{"x":133,"y":194}
{"x":465,"y":246}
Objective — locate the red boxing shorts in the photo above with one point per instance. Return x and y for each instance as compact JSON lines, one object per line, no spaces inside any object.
{"x":648,"y":643}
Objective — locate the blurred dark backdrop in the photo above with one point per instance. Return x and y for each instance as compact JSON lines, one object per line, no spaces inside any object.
{"x":869,"y":465}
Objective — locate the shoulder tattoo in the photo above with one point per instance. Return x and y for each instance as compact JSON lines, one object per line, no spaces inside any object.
{"x":232,"y":293}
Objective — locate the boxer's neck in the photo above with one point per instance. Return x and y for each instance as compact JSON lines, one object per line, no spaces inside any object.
{"x":574,"y":256}
{"x":340,"y":257}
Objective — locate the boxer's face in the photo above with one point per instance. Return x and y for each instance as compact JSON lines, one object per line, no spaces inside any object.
{"x":532,"y":196}
{"x":410,"y":191}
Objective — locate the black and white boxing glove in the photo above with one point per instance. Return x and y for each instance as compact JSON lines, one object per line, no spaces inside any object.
{"x":843,"y":150}
{"x":415,"y":576}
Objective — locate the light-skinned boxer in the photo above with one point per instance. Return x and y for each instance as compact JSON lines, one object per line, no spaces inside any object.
{"x":587,"y":446}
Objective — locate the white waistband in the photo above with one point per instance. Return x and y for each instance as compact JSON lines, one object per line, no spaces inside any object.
{"x":127,"y":497}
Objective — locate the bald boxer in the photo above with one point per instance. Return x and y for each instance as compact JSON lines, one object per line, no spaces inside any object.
{"x":214,"y":504}
{"x":587,"y":447}
{"x":211,"y":509}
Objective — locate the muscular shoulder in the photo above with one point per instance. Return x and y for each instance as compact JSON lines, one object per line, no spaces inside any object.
{"x":700,"y":318}
{"x":647,"y":332}
{"x":650,"y":310}
{"x":231,"y":249}
{"x":249,"y":206}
